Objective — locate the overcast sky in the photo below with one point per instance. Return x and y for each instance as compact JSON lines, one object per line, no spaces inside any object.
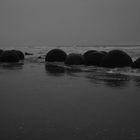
{"x":57,"y":22}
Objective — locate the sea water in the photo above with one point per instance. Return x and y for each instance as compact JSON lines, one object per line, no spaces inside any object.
{"x":87,"y":103}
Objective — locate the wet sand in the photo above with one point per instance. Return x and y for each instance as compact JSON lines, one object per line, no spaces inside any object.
{"x":37,"y":103}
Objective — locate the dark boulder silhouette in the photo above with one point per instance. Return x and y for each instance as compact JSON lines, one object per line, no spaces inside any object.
{"x":9,"y":56}
{"x":136,"y":63}
{"x":74,"y":59}
{"x":1,"y":51}
{"x":104,"y":52}
{"x":88,"y":52}
{"x":20,"y":54}
{"x":56,"y":55}
{"x":116,"y":58}
{"x":94,"y":58}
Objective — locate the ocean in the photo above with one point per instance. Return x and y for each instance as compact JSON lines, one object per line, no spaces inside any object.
{"x":84,"y":103}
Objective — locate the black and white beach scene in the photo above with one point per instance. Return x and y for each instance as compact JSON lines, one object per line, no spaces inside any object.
{"x":69,"y":70}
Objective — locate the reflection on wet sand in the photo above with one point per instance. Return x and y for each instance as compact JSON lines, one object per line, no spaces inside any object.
{"x":137,"y":81}
{"x":54,"y":70}
{"x":116,"y":82}
{"x":60,"y":69}
{"x":12,"y":66}
{"x":96,"y":75}
{"x":112,"y":80}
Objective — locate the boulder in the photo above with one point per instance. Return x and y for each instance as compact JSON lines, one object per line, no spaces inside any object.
{"x":56,"y":55}
{"x":94,"y":58}
{"x":104,"y":52}
{"x":116,"y":58}
{"x":9,"y":56}
{"x":1,"y":51}
{"x":74,"y":59}
{"x":88,"y":52}
{"x":20,"y":54}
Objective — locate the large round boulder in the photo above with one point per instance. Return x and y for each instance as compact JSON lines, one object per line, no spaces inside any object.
{"x":9,"y":56}
{"x":94,"y":58}
{"x":104,"y":52}
{"x":74,"y":59}
{"x":116,"y":58}
{"x":1,"y":51}
{"x":88,"y":52}
{"x":56,"y":55}
{"x":136,"y":63}
{"x":20,"y":54}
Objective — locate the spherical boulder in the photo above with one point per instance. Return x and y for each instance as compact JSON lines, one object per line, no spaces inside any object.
{"x":116,"y":58}
{"x":88,"y":52}
{"x":94,"y":58}
{"x":9,"y":56}
{"x":20,"y":54}
{"x":136,"y":63}
{"x":104,"y":52}
{"x":56,"y":55}
{"x":1,"y":51}
{"x":74,"y":59}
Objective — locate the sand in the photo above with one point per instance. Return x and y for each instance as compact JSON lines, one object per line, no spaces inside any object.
{"x":39,"y":104}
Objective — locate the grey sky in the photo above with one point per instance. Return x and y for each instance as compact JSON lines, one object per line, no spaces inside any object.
{"x":69,"y":21}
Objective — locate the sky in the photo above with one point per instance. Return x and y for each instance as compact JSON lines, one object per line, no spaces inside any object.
{"x":69,"y":22}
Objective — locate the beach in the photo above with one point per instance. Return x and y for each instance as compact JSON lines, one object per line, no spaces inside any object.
{"x":94,"y":103}
{"x":69,"y":70}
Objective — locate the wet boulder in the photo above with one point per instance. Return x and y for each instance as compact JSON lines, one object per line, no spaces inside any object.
{"x":56,"y":55}
{"x":116,"y":58}
{"x":74,"y":59}
{"x":88,"y":52}
{"x":1,"y":51}
{"x":94,"y":58}
{"x":104,"y":52}
{"x":136,"y":63}
{"x":20,"y":54}
{"x":9,"y":56}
